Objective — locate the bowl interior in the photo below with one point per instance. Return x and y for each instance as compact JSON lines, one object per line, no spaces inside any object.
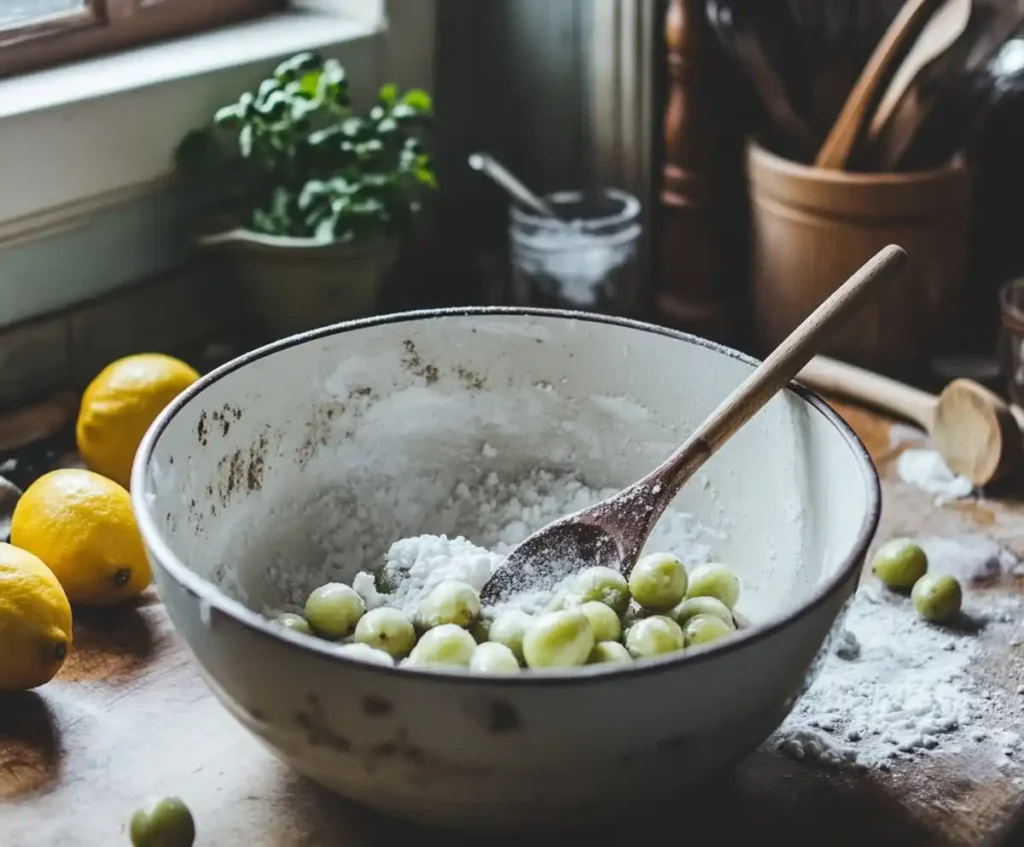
{"x":304,"y":461}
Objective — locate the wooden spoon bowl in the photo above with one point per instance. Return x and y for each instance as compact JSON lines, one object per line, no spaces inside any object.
{"x":976,"y":433}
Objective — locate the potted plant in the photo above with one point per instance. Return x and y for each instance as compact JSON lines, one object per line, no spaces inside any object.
{"x":317,"y":197}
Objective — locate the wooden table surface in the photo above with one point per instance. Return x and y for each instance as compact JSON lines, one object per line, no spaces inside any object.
{"x":129,"y":717}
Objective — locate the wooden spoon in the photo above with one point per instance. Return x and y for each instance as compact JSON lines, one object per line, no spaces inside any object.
{"x":976,"y":433}
{"x":939,"y":34}
{"x":613,"y":532}
{"x":835,"y":152}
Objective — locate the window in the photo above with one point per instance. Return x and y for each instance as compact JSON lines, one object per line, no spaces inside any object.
{"x":89,"y":206}
{"x":41,"y":33}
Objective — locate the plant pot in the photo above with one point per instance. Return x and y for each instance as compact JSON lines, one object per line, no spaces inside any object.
{"x":290,"y":285}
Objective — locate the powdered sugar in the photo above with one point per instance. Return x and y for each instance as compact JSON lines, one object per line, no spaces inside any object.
{"x":904,"y":691}
{"x":497,"y":515}
{"x":415,"y":566}
{"x":971,"y":558}
{"x":926,"y":469}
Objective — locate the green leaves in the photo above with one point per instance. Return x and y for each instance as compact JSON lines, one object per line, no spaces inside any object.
{"x":296,"y":66}
{"x":298,"y":162}
{"x":418,"y":100}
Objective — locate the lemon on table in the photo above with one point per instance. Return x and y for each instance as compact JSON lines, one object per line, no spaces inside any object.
{"x":120,"y":404}
{"x":81,"y":524}
{"x":35,"y":621}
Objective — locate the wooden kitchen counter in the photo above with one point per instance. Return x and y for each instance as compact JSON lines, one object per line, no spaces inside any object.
{"x":129,"y":716}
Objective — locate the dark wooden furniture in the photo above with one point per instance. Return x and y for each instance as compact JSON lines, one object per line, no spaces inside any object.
{"x":701,"y":225}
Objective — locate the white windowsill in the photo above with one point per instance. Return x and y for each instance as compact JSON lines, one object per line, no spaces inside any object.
{"x":81,"y":138}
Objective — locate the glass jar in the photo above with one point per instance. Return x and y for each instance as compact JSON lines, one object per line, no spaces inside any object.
{"x":1011,"y":304}
{"x":586,"y":259}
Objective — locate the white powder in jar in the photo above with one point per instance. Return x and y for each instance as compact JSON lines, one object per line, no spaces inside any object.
{"x":498,"y":514}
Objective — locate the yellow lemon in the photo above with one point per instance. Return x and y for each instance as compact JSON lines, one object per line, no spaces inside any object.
{"x":35,"y":621}
{"x":120,"y":404}
{"x":81,"y":525}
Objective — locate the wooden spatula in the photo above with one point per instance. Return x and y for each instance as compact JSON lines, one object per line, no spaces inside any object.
{"x":835,"y":152}
{"x":977,"y":434}
{"x":940,"y":32}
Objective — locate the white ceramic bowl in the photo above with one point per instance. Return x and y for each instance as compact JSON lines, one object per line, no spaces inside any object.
{"x":237,"y":484}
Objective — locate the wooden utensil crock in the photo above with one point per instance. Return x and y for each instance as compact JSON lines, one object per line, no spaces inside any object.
{"x":812,"y":228}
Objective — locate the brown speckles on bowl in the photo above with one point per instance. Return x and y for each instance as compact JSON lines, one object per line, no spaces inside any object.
{"x":318,"y":432}
{"x":496,"y":716}
{"x":225,"y":416}
{"x":413,"y":362}
{"x":241,"y":470}
{"x":469,"y":378}
{"x":424,"y":764}
{"x":217,"y":421}
{"x":376,"y":706}
{"x":230,"y":471}
{"x":257,"y":463}
{"x":318,"y":731}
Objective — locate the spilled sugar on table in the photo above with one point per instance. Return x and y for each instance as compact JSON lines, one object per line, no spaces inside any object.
{"x":130,"y":716}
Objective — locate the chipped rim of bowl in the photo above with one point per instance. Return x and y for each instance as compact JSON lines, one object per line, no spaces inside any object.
{"x":209,"y":593}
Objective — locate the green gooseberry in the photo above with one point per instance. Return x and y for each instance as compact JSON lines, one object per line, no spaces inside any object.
{"x":609,"y":652}
{"x":658,"y":581}
{"x":558,"y":640}
{"x":164,"y":822}
{"x":703,"y":629}
{"x":937,"y":597}
{"x":333,"y":610}
{"x":715,"y":580}
{"x":386,"y":629}
{"x":603,"y":620}
{"x":899,"y":563}
{"x":653,"y":636}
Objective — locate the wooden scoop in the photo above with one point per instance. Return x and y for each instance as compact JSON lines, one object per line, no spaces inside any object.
{"x":613,"y":532}
{"x":976,"y":433}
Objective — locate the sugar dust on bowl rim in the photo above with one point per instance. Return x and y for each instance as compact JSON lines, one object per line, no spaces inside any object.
{"x":302,"y":462}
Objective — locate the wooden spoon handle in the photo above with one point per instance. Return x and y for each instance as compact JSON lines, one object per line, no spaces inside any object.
{"x":780,"y":367}
{"x":845,"y":131}
{"x":888,"y":395}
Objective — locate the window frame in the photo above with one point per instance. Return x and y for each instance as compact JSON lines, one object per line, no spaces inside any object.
{"x":105,"y":26}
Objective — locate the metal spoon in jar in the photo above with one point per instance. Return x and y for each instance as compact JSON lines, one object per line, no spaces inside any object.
{"x":488,"y":165}
{"x":613,"y":532}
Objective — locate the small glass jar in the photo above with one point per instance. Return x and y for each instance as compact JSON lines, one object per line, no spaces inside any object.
{"x":1011,"y":304}
{"x":584,"y":260}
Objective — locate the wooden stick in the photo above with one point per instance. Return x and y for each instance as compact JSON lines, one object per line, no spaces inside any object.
{"x":835,"y":152}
